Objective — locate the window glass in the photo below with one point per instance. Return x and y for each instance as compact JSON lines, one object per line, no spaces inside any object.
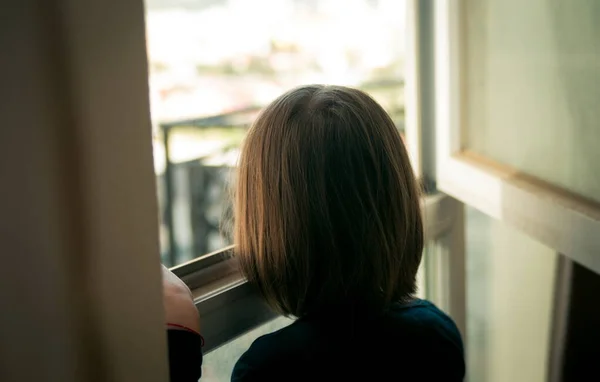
{"x":214,"y":63}
{"x":510,"y":294}
{"x":532,"y":86}
{"x":219,"y":363}
{"x":429,"y":277}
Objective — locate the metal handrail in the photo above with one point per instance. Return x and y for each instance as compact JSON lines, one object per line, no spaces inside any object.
{"x":222,"y":120}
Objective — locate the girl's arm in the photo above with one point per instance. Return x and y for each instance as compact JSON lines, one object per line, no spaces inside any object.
{"x":183,"y":330}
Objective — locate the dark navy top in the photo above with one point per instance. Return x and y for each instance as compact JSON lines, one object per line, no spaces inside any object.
{"x":411,"y":342}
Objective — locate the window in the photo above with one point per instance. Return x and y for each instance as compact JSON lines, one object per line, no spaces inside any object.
{"x":531,"y":81}
{"x":214,"y":64}
{"x":514,"y":129}
{"x":515,"y":141}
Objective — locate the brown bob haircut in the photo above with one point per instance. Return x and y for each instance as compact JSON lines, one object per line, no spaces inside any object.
{"x":327,"y":210}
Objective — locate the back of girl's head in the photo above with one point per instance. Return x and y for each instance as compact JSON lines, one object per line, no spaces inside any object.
{"x":327,"y":208}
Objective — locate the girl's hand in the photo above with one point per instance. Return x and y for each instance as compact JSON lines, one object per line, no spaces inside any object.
{"x":178,"y":302}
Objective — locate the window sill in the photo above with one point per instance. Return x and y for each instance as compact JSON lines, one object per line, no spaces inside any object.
{"x":229,"y":306}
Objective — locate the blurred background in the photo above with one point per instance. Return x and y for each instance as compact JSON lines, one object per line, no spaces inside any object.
{"x":214,"y":63}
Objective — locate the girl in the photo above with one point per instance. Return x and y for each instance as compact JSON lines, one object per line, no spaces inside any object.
{"x":328,"y":227}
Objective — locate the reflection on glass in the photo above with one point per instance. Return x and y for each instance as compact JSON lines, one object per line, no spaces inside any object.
{"x":422,"y":277}
{"x":510,"y":289}
{"x":431,"y":269}
{"x":213,"y":63}
{"x":532,"y":78}
{"x":219,"y":363}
